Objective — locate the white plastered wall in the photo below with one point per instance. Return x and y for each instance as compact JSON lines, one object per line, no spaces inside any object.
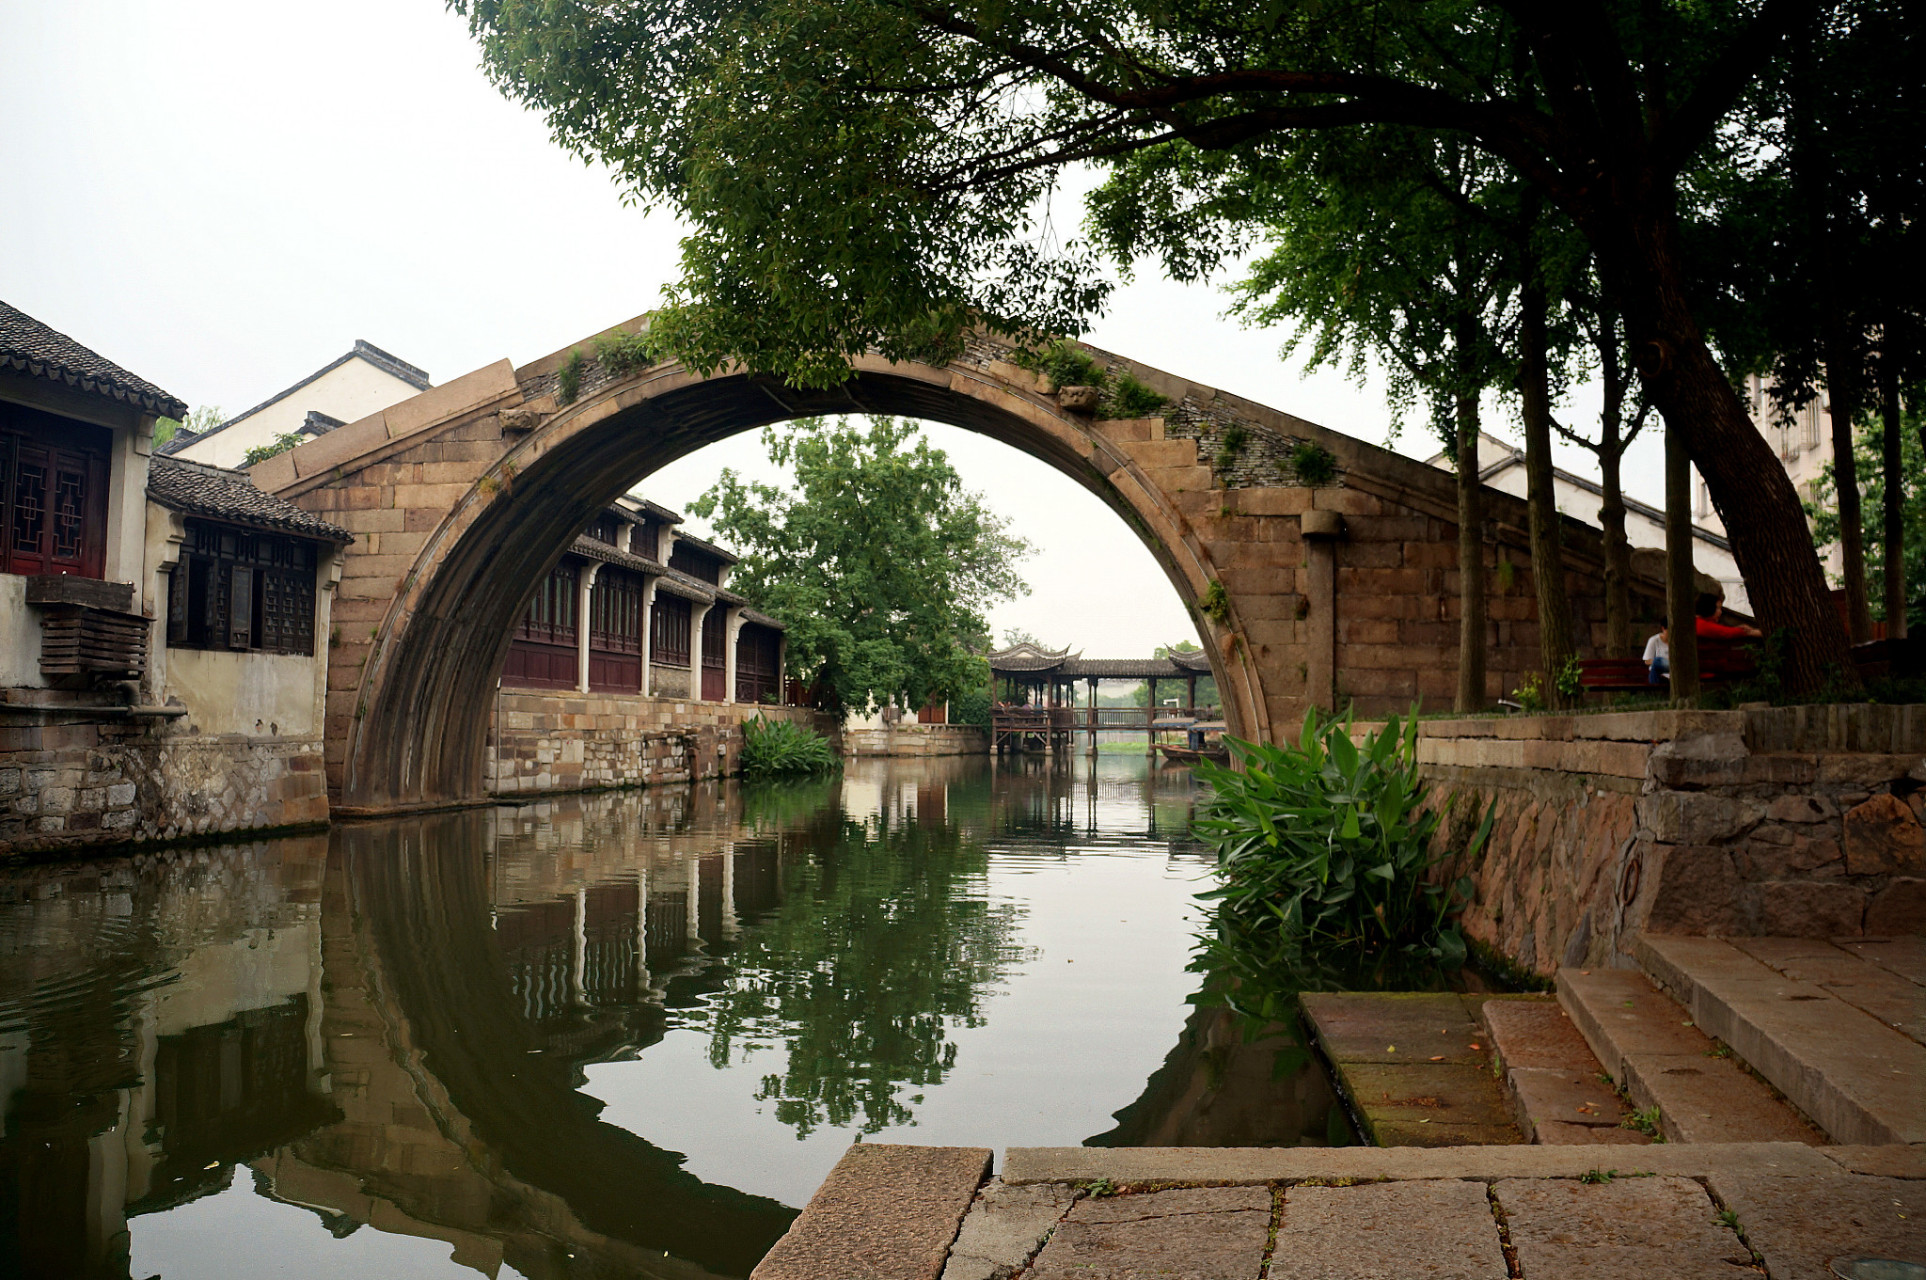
{"x":349,"y":392}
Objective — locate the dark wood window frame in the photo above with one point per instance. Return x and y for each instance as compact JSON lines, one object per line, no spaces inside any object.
{"x":54,"y":475}
{"x":615,"y":631}
{"x":542,"y":654}
{"x":242,"y":589}
{"x":669,"y":629}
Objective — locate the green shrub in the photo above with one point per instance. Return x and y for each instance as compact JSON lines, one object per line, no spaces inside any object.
{"x":1216,"y":603}
{"x":1231,"y":447}
{"x":568,"y":378}
{"x":772,"y":747}
{"x":971,"y":707}
{"x":1064,"y":364}
{"x":1130,"y":398}
{"x":622,"y":352}
{"x":1313,"y":464}
{"x":280,"y":444}
{"x":1324,"y":842}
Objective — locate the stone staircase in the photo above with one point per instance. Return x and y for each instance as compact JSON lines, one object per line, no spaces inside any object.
{"x":1758,"y":1039}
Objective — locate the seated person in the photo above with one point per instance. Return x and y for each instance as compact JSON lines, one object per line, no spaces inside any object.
{"x":1658,"y":658}
{"x":1710,"y":609}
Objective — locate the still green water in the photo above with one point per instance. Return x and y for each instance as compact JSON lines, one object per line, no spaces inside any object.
{"x":613,"y":1035}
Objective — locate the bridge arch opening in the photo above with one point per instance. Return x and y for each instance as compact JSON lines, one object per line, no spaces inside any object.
{"x":417,"y":728}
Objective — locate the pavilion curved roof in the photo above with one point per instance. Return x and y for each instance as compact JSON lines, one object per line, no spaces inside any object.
{"x":1028,"y":659}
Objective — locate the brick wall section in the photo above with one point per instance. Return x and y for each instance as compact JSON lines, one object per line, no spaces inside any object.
{"x":542,"y":742}
{"x":71,"y":783}
{"x":1798,"y":821}
{"x":917,"y":740}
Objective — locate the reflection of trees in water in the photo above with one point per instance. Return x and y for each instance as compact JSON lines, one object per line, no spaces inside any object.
{"x":883,"y":939}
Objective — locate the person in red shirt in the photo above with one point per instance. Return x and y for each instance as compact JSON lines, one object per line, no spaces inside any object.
{"x":1710,"y":609}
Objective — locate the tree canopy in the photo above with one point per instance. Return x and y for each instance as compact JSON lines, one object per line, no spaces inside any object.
{"x":880,"y":562}
{"x":876,"y":175}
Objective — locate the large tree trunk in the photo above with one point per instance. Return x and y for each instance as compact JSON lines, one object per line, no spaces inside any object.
{"x":1471,"y":559}
{"x":1547,"y":551}
{"x":1894,"y":482}
{"x":1763,"y":517}
{"x":1681,"y":582}
{"x":1611,"y":509}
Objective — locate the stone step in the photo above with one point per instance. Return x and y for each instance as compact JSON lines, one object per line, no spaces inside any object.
{"x":1560,"y":1094}
{"x":1651,"y":1047}
{"x":1846,"y":1065}
{"x":1412,"y":1067}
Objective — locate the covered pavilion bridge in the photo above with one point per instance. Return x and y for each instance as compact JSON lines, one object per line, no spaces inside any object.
{"x":1033,"y":696}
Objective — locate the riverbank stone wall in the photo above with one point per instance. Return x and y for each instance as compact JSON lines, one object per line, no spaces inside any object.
{"x":1790,"y":822}
{"x":73,"y":779}
{"x":542,"y":741}
{"x":917,"y":740}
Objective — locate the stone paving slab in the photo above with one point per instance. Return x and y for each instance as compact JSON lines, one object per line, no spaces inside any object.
{"x":1903,"y":956}
{"x":1535,"y":1032}
{"x":1411,"y":1067}
{"x":1707,"y":1099}
{"x":1395,"y":1026}
{"x":1557,"y":1131}
{"x":1884,"y":1162}
{"x":1217,"y":1233}
{"x":1253,"y":1165}
{"x":1801,"y":1224}
{"x":1005,"y":1228}
{"x":1622,"y":1229}
{"x":1619,"y":1011}
{"x":885,"y":1212}
{"x":1565,"y":1097}
{"x":1868,"y":987}
{"x":1442,"y":1230}
{"x":1859,"y":1080}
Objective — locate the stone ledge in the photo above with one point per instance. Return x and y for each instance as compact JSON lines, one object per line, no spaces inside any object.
{"x":885,"y":1212}
{"x":1243,"y":1166}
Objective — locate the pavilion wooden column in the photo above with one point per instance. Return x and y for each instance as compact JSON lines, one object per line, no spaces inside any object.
{"x":1320,"y":531}
{"x":1150,"y":716}
{"x":648,"y":633}
{"x":584,"y":596}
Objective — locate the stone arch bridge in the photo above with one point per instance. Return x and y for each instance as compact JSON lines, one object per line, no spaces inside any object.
{"x":462,"y":497}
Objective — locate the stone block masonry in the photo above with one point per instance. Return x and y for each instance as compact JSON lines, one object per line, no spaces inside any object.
{"x":1803,"y":822}
{"x":73,"y":781}
{"x":542,"y":742}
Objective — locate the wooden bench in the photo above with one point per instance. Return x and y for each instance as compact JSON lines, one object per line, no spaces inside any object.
{"x":1720,"y":661}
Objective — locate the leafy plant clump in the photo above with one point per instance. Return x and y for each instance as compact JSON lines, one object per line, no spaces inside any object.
{"x":1064,"y":364}
{"x":775,"y":747}
{"x":1216,"y":603}
{"x":622,"y":352}
{"x":1326,"y":842}
{"x":1231,"y":447}
{"x":568,"y":378}
{"x":1313,"y":464}
{"x":1130,"y":398}
{"x":280,"y":444}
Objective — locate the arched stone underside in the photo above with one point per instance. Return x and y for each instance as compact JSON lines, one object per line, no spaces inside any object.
{"x":462,"y":498}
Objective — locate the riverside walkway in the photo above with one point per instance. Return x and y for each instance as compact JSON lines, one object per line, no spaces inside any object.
{"x":1752,"y":1106}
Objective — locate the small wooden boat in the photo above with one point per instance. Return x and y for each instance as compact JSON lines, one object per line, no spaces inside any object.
{"x":1186,"y":755}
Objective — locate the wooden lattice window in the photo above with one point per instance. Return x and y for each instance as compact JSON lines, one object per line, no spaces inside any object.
{"x":551,"y":614}
{"x":53,"y":494}
{"x":241,"y":589}
{"x":615,"y":612}
{"x":669,"y":630}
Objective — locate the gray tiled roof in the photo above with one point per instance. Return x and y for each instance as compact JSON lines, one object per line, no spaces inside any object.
{"x":762,"y":619}
{"x":706,"y":547}
{"x":34,"y":349}
{"x":196,"y":489}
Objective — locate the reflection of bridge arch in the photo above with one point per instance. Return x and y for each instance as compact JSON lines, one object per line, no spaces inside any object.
{"x":464,"y":496}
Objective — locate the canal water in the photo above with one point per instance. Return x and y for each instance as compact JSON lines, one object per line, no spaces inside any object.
{"x":612,"y":1035}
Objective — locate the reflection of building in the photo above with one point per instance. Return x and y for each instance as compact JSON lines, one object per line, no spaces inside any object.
{"x":162,"y":623}
{"x":189,"y":1044}
{"x":1502,"y":466}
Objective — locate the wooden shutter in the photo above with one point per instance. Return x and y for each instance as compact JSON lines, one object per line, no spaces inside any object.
{"x":240,"y":607}
{"x":177,"y":604}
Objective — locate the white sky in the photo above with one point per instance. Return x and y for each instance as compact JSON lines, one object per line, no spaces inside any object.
{"x":223,"y":196}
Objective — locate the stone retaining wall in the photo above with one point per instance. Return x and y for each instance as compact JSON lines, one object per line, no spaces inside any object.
{"x":576,"y":742}
{"x":917,"y":740}
{"x":1796,"y":821}
{"x":73,"y":780}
